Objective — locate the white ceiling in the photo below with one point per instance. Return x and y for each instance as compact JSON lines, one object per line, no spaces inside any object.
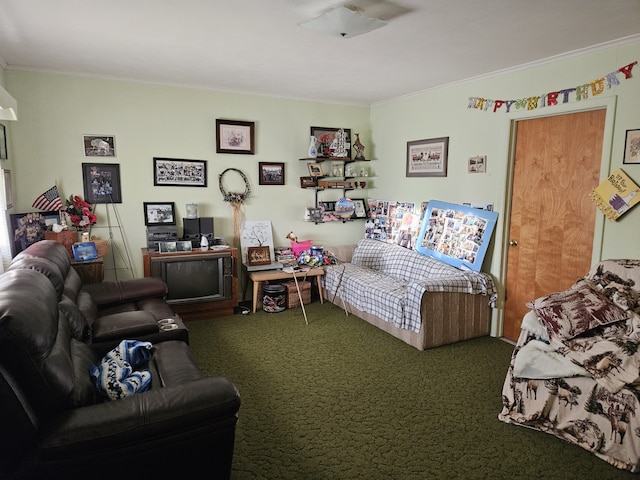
{"x":257,"y":46}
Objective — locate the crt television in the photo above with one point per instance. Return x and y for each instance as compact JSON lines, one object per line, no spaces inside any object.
{"x":456,"y":234}
{"x":195,"y":278}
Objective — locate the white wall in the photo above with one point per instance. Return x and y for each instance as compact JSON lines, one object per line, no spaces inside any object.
{"x":444,"y":113}
{"x":149,"y":121}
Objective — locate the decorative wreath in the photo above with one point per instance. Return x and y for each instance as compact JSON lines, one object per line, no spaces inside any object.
{"x":234,"y":197}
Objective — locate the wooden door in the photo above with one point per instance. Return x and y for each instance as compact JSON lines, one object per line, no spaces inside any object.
{"x":551,"y":226}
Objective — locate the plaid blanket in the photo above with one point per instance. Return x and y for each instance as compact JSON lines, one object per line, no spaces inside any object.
{"x":389,"y":281}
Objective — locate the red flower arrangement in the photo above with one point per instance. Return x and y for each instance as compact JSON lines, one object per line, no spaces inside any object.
{"x":80,"y":213}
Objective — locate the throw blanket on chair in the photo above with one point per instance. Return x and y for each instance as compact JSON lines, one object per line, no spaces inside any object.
{"x":116,"y":376}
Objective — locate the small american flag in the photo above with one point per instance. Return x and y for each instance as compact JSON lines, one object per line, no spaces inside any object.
{"x":49,"y":200}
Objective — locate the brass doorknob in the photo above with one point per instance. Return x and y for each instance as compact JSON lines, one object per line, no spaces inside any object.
{"x":513,"y":243}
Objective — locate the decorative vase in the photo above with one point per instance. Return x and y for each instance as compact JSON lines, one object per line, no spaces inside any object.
{"x":313,"y":151}
{"x":344,"y":208}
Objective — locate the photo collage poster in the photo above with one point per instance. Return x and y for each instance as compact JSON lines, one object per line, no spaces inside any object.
{"x":393,"y":222}
{"x":456,"y":235}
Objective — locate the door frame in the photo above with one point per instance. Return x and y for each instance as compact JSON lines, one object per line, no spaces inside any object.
{"x":607,"y":103}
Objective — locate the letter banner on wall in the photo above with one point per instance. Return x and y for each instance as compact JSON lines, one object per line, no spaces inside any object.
{"x":581,"y":92}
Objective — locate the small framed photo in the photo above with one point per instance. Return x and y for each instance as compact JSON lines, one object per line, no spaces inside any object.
{"x":99,"y":145}
{"x":3,"y":143}
{"x":271,"y":173}
{"x":258,"y":256}
{"x":184,"y":246}
{"x":159,"y":213}
{"x":101,"y":183}
{"x":308,"y":182}
{"x":327,"y":206}
{"x":427,"y":158}
{"x":477,"y":164}
{"x":168,"y":247}
{"x":315,"y":169}
{"x":360,"y":208}
{"x":328,"y":144}
{"x":179,"y":173}
{"x":631,"y":147}
{"x":233,"y":136}
{"x":315,"y":214}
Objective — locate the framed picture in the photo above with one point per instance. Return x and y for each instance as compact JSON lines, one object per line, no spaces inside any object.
{"x":308,"y":182}
{"x":315,"y":214}
{"x":360,"y":208}
{"x":233,"y":136}
{"x":101,"y":182}
{"x":3,"y":143}
{"x":29,"y":228}
{"x":271,"y":173}
{"x":168,"y":247}
{"x":327,"y":206}
{"x":327,"y":145}
{"x":315,"y":169}
{"x":477,"y":164}
{"x":427,"y":158}
{"x":99,"y":145}
{"x":8,"y":191}
{"x":258,"y":256}
{"x":184,"y":246}
{"x":179,"y":172}
{"x":631,"y":147}
{"x":159,"y":213}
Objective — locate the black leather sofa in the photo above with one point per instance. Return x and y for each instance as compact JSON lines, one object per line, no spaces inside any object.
{"x":55,"y":424}
{"x":104,"y":313}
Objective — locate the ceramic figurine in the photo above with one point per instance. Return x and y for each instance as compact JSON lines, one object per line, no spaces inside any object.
{"x":359,"y":148}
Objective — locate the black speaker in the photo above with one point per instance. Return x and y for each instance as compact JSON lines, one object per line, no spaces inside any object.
{"x":191,"y":228}
{"x":206,"y":227}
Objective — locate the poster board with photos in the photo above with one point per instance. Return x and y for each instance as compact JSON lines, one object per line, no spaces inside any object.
{"x":456,"y":235}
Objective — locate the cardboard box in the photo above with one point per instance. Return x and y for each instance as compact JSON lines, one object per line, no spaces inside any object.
{"x":292,"y":294}
{"x":66,"y":238}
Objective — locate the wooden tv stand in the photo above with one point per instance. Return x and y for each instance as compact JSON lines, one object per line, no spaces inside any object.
{"x":199,"y":309}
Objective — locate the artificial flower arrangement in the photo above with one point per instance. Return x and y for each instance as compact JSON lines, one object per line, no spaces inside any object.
{"x":79,"y":212}
{"x":317,"y":260}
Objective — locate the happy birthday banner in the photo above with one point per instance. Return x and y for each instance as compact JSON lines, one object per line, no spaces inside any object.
{"x":552,"y":98}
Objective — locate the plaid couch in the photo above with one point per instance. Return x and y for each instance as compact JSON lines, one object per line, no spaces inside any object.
{"x":389,"y":282}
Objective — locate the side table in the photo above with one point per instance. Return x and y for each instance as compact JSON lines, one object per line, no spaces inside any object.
{"x":261,"y":276}
{"x":90,"y":271}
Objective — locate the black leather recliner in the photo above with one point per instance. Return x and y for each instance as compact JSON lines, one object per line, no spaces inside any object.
{"x":55,"y":424}
{"x":106,"y":312}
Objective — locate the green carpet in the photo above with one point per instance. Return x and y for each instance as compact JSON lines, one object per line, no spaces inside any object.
{"x":340,"y":399}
